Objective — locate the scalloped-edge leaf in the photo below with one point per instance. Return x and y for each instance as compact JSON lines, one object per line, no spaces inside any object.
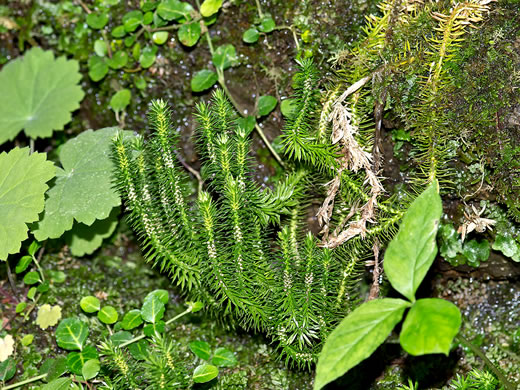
{"x":357,"y":337}
{"x":83,"y":190}
{"x":22,"y":188}
{"x":39,"y":92}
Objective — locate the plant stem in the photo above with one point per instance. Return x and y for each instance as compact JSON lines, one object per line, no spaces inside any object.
{"x":30,"y":380}
{"x":259,"y":8}
{"x":31,"y":145}
{"x":222,"y":82}
{"x":477,"y":351}
{"x":10,"y":277}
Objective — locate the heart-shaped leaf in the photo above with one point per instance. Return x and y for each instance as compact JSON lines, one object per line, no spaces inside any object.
{"x":120,"y":100}
{"x":22,"y":188}
{"x":410,"y":254}
{"x":97,"y":21}
{"x":430,"y":326}
{"x":38,"y":95}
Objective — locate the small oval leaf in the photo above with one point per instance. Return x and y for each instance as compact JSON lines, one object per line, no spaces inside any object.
{"x":200,"y":349}
{"x":90,"y":304}
{"x":203,"y":80}
{"x":108,"y":315}
{"x":223,"y":357}
{"x":204,"y":373}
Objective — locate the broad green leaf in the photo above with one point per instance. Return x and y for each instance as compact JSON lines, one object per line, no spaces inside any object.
{"x":83,"y":190}
{"x":410,"y":254}
{"x":160,"y":37}
{"x":189,"y":33}
{"x":97,"y":21}
{"x":22,"y":188}
{"x":54,"y":368}
{"x":32,"y":277}
{"x":84,"y":240}
{"x":147,"y":56}
{"x":27,"y":340}
{"x":76,"y":360}
{"x":430,"y":326}
{"x":108,"y":315}
{"x":204,"y":373}
{"x":48,"y":316}
{"x":210,"y":7}
{"x":132,"y":20}
{"x":7,"y":369}
{"x":223,"y":357}
{"x":6,"y":347}
{"x":203,"y":80}
{"x":121,"y":337}
{"x":247,"y":123}
{"x":71,"y":334}
{"x":35,"y":245}
{"x":195,"y":306}
{"x":288,"y":107}
{"x":39,"y":93}
{"x":90,"y":369}
{"x":506,"y":244}
{"x":152,"y":310}
{"x":119,"y":60}
{"x":120,"y":100}
{"x":159,"y":293}
{"x":118,"y":32}
{"x":132,"y":319}
{"x":23,"y":263}
{"x":90,"y":304}
{"x":97,"y":68}
{"x":20,"y":307}
{"x":148,"y":18}
{"x":100,"y":48}
{"x":58,"y":384}
{"x":174,"y":9}
{"x":266,"y":104}
{"x":251,"y":35}
{"x":154,"y":329}
{"x":200,"y":349}
{"x":267,"y":24}
{"x":476,"y":251}
{"x":225,"y":56}
{"x":139,"y":349}
{"x":357,"y":337}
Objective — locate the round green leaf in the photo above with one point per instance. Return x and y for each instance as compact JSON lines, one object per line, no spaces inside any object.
{"x":200,"y":349}
{"x":120,"y":100}
{"x":247,"y":123}
{"x":97,"y":68}
{"x":21,"y":197}
{"x":204,"y":373}
{"x":119,"y":60}
{"x":32,"y":277}
{"x":251,"y":35}
{"x":27,"y":340}
{"x":203,"y":80}
{"x":357,"y":337}
{"x":266,"y":104}
{"x":90,"y":304}
{"x":223,"y":357}
{"x":132,"y":20}
{"x":76,"y":360}
{"x":160,"y":37}
{"x":189,"y":33}
{"x":210,"y":7}
{"x":159,"y":293}
{"x":100,"y":48}
{"x":174,"y":10}
{"x":71,"y":334}
{"x":119,"y":32}
{"x":90,"y":369}
{"x":23,"y":263}
{"x":7,"y":369}
{"x":147,"y":57}
{"x":225,"y":56}
{"x":410,"y":254}
{"x":152,"y":310}
{"x":132,"y":319}
{"x":430,"y":326}
{"x":97,"y":21}
{"x":39,"y":93}
{"x":267,"y":24}
{"x":289,"y":107}
{"x":108,"y":315}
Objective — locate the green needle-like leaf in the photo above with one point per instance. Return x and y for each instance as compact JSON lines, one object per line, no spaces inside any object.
{"x":38,"y":94}
{"x":22,"y":189}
